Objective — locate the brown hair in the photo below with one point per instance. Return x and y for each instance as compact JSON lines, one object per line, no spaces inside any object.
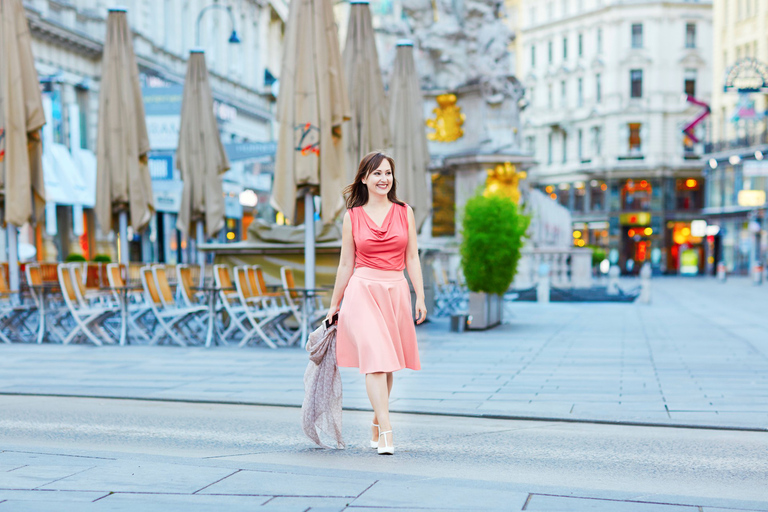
{"x":356,"y":194}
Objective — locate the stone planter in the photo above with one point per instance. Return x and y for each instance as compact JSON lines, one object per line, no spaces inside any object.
{"x":485,"y":310}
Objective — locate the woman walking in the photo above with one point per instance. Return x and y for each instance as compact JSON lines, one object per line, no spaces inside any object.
{"x":376,"y":332}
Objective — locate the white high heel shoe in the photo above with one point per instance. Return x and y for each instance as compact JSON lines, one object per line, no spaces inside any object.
{"x":375,"y":444}
{"x":387,"y":449}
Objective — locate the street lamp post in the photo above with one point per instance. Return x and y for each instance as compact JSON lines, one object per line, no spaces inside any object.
{"x":233,"y":38}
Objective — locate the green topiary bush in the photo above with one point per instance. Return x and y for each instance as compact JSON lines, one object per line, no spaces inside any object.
{"x":598,"y":254}
{"x":493,"y":230}
{"x":75,"y":258}
{"x":102,"y":258}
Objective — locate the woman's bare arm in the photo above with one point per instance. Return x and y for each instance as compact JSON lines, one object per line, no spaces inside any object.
{"x":413,"y":265}
{"x":346,"y":265}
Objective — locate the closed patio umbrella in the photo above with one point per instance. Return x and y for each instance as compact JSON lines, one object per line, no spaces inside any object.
{"x":200,"y":156}
{"x":311,"y":107}
{"x":123,"y":184}
{"x":409,"y":137}
{"x":368,"y":130}
{"x":21,"y":117}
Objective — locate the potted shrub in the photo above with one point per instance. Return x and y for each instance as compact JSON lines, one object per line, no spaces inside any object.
{"x":493,"y":229}
{"x":102,"y":258}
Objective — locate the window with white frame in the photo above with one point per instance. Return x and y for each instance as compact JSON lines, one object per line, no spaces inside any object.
{"x":597,"y":140}
{"x":580,"y":92}
{"x":637,"y":35}
{"x":563,"y":94}
{"x":598,"y":88}
{"x":564,"y":141}
{"x":689,"y":84}
{"x":635,"y":141}
{"x":636,"y":83}
{"x":599,"y":41}
{"x":580,"y":142}
{"x":690,"y":35}
{"x":549,"y":148}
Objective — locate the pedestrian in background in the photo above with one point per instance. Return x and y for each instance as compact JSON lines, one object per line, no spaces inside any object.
{"x":376,"y":332}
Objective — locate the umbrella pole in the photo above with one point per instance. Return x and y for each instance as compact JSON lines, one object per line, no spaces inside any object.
{"x":123,"y":237}
{"x":200,"y":256}
{"x":309,"y":240}
{"x":13,"y":257}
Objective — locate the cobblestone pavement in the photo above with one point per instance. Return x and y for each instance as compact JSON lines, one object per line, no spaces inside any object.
{"x":82,"y":454}
{"x":697,"y":356}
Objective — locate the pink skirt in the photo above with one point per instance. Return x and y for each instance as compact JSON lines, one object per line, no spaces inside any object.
{"x":376,"y":332}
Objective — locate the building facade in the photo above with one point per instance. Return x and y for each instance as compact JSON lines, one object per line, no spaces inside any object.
{"x":737,"y":173}
{"x":67,"y":46}
{"x":610,"y":86}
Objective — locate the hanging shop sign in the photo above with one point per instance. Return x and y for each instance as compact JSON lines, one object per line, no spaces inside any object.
{"x":754,"y":168}
{"x":162,"y":106}
{"x":249,"y":150}
{"x":751,"y":198}
{"x":747,"y":75}
{"x":635,"y":219}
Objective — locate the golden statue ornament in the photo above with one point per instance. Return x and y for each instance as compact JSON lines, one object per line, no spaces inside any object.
{"x":447,"y":121}
{"x":504,"y":179}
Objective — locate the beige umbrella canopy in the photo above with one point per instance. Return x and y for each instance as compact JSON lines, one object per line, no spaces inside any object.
{"x":200,"y":155}
{"x":408,"y":133}
{"x":368,"y":130}
{"x":21,"y":117}
{"x":123,"y":182}
{"x":311,"y":107}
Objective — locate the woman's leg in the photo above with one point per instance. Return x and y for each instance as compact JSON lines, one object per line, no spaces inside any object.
{"x":378,"y":393}
{"x":375,"y":430}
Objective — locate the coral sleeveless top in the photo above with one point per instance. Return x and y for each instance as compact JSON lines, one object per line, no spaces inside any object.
{"x":380,"y":247}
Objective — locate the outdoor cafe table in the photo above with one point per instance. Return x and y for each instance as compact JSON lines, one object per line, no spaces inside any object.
{"x":123,"y":291}
{"x":40,"y":290}
{"x":212,"y":292}
{"x":307,"y":294}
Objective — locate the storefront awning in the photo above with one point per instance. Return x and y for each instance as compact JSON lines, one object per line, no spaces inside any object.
{"x":66,"y":181}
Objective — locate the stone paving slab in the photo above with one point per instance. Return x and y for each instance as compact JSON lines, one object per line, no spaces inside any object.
{"x":696,"y":356}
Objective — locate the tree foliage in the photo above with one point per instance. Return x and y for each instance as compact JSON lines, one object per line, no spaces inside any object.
{"x":493,"y":230}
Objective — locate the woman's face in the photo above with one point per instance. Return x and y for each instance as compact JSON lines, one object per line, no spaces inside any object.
{"x":379,"y":180}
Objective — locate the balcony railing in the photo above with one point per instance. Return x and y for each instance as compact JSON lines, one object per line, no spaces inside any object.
{"x":748,"y":141}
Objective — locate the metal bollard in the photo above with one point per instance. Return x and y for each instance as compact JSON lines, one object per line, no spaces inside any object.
{"x":542,"y":288}
{"x":721,"y":275}
{"x":613,"y":281}
{"x":645,"y":284}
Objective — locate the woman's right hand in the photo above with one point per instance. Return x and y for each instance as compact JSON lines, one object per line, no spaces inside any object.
{"x":331,"y":311}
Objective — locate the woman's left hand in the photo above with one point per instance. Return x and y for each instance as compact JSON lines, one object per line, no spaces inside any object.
{"x":421,"y":311}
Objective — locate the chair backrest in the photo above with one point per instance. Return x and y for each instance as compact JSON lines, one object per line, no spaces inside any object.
{"x":34,"y":275}
{"x":185,"y":279}
{"x":4,"y":288}
{"x":134,"y":273}
{"x":288,"y":282}
{"x":223,"y":279}
{"x":253,"y":280}
{"x":150,"y":287}
{"x":79,"y":283}
{"x":260,"y":276}
{"x":114,"y":275}
{"x":34,"y":278}
{"x":242,"y":284}
{"x":49,"y":272}
{"x":161,"y":278}
{"x":67,"y":286}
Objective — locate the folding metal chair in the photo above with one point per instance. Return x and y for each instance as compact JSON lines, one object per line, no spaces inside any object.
{"x":85,"y":317}
{"x":171,"y":318}
{"x":275,"y":300}
{"x":137,"y":306}
{"x":229,"y":301}
{"x":296,"y":302}
{"x":257,"y":311}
